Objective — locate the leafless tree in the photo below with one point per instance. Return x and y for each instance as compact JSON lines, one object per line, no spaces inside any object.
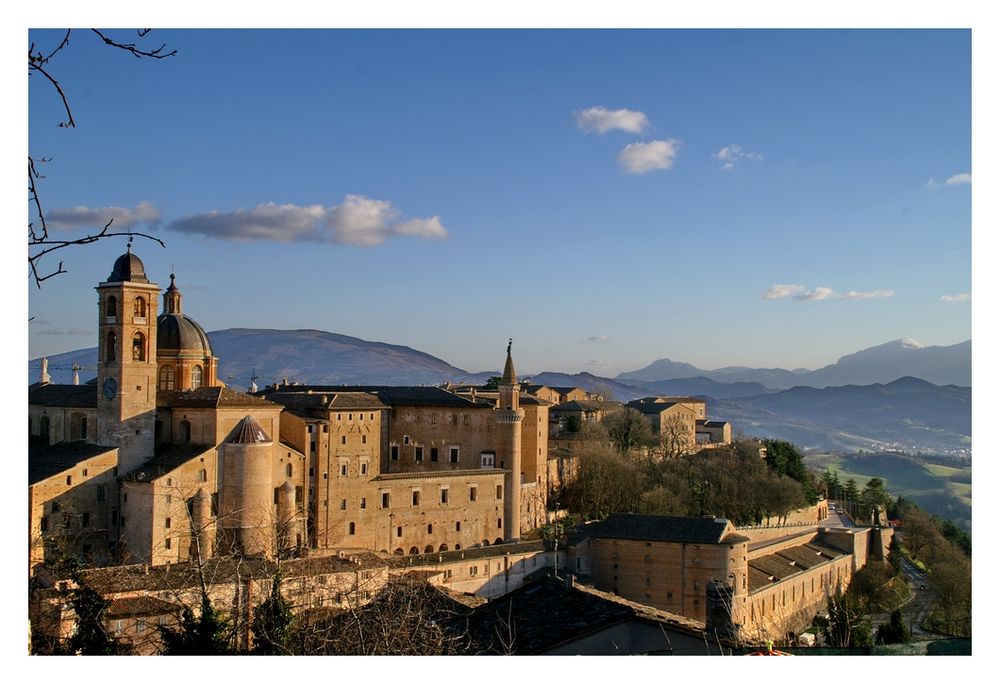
{"x":40,"y":242}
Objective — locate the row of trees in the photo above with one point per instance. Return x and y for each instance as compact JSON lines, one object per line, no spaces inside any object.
{"x":733,"y":482}
{"x":945,"y":552}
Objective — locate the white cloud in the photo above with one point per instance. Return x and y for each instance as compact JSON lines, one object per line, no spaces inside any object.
{"x":429,"y":228}
{"x":646,"y":157}
{"x":802,"y":294}
{"x":956,"y":297}
{"x":358,"y":220}
{"x":596,"y":339}
{"x":782,"y":291}
{"x":731,"y":154}
{"x":601,"y":120}
{"x":957,"y":179}
{"x":71,"y":218}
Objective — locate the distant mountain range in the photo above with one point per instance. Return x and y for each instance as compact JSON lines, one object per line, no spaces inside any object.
{"x":883,"y":397}
{"x":950,"y":365}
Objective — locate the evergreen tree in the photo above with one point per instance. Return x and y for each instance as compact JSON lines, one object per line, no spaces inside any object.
{"x":851,"y":490}
{"x":90,"y":637}
{"x":207,"y":634}
{"x":894,"y":631}
{"x":271,"y":624}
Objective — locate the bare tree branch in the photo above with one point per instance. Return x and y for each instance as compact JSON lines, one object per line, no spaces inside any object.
{"x":39,"y":242}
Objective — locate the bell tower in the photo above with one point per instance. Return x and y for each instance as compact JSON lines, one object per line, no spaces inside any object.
{"x":126,"y":366}
{"x":508,"y":417}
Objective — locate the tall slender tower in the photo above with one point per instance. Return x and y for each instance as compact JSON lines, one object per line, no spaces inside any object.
{"x":126,"y":368}
{"x":508,"y":418}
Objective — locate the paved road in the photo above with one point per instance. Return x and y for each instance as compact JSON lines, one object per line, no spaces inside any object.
{"x":837,"y":519}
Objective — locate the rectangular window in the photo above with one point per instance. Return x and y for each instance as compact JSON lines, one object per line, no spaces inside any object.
{"x":499,"y":523}
{"x":363,"y":503}
{"x":69,"y":479}
{"x":343,"y":505}
{"x":166,"y":523}
{"x":343,"y":439}
{"x":444,"y":496}
{"x":385,"y":499}
{"x":86,"y":520}
{"x":343,"y":469}
{"x":364,"y":468}
{"x":415,"y":498}
{"x":418,"y":454}
{"x":453,"y":455}
{"x":472,"y":493}
{"x":434,"y":454}
{"x":406,"y":439}
{"x":350,"y":528}
{"x":499,"y":492}
{"x":166,"y":543}
{"x":399,"y":531}
{"x":364,"y":439}
{"x":394,"y":452}
{"x":458,"y":526}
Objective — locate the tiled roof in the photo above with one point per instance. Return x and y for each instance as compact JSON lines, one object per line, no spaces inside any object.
{"x":71,"y":396}
{"x":494,"y":551}
{"x":48,"y":460}
{"x":248,"y":431}
{"x":666,"y":528}
{"x":330,"y":400}
{"x":210,"y":397}
{"x":136,"y":606}
{"x":546,"y":613}
{"x":168,"y":457}
{"x":389,"y":395}
{"x":788,"y":563}
{"x":580,"y":405}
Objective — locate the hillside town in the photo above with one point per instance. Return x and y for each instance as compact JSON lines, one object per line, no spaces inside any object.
{"x":173,"y":498}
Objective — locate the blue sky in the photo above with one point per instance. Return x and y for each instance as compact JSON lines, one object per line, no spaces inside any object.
{"x":606,"y":198}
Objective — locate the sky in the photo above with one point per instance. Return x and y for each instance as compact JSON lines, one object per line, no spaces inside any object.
{"x":767,"y":198}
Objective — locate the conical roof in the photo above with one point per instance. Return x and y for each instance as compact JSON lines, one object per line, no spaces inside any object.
{"x":509,"y":376}
{"x":248,"y":431}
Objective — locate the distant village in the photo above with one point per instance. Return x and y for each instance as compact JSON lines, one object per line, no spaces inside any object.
{"x":163,"y":490}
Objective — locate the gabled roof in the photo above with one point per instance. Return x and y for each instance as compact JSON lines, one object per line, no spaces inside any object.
{"x":70,"y":396}
{"x":210,"y":397}
{"x":44,"y":461}
{"x":168,"y":457}
{"x":666,"y":528}
{"x":774,"y":567}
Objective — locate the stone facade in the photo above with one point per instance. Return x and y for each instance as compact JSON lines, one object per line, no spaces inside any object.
{"x":398,"y":470}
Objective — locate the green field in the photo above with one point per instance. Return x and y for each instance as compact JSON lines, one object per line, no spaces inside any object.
{"x":944,"y":491}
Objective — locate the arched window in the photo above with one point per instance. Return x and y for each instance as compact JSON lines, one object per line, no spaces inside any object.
{"x":428,"y":549}
{"x":138,"y":347}
{"x":288,"y":470}
{"x":111,"y":309}
{"x":414,"y":550}
{"x":109,"y":347}
{"x":166,"y":377}
{"x":139,"y":307}
{"x":443,"y":547}
{"x":196,"y":377}
{"x":202,"y":475}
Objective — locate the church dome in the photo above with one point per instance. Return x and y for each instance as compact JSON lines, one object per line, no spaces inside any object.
{"x":128,"y":268}
{"x":177,"y":334}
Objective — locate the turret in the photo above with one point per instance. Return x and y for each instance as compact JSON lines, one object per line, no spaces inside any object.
{"x":508,"y":418}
